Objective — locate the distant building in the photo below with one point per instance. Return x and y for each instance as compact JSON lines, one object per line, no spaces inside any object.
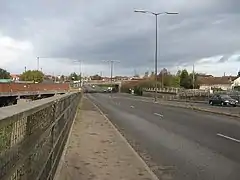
{"x":204,"y":75}
{"x":49,"y":77}
{"x":236,"y":82}
{"x":136,"y":78}
{"x":121,"y":78}
{"x":15,"y":77}
{"x":104,"y":79}
{"x":224,"y":82}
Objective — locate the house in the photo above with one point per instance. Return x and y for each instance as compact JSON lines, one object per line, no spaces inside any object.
{"x":49,"y":77}
{"x":224,"y":82}
{"x":121,"y":78}
{"x":15,"y":77}
{"x":136,"y":78}
{"x":236,"y":82}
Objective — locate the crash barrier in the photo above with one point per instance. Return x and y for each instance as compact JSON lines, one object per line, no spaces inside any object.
{"x":33,"y":136}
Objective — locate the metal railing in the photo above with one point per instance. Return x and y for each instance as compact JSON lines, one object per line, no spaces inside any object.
{"x":163,"y":90}
{"x":33,"y":136}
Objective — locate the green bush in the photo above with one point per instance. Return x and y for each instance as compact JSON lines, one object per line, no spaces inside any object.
{"x":138,"y":91}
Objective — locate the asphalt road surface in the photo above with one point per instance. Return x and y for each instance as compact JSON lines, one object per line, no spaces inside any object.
{"x":177,"y":143}
{"x":226,"y":109}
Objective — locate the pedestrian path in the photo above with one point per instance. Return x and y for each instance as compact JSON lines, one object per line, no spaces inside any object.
{"x":97,"y":151}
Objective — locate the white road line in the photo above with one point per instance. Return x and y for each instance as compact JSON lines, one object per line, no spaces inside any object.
{"x":227,"y":137}
{"x":158,"y":114}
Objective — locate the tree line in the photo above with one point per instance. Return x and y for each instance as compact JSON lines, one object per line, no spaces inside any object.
{"x":182,"y":79}
{"x":38,"y":76}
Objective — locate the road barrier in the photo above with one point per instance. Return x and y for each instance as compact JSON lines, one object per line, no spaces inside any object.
{"x":33,"y":136}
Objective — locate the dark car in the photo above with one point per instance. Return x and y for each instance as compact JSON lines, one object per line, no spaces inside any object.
{"x":220,"y":99}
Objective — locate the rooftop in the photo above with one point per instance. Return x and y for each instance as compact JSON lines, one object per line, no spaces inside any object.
{"x":216,"y":80}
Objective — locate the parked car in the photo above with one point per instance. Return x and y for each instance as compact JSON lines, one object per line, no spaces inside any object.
{"x":223,"y":100}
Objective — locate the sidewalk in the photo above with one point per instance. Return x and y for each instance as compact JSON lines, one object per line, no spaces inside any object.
{"x":96,"y":151}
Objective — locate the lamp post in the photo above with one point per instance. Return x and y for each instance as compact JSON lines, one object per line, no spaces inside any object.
{"x":156,"y":40}
{"x":80,"y":71}
{"x":111,"y":72}
{"x":38,"y":63}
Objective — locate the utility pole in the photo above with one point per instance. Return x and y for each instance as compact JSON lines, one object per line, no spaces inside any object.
{"x":111,"y":72}
{"x":135,"y":73}
{"x":193,"y":78}
{"x":156,"y":40}
{"x":54,"y":78}
{"x":156,"y":54}
{"x":38,"y":63}
{"x":162,"y":78}
{"x":111,"y":76}
{"x":80,"y":73}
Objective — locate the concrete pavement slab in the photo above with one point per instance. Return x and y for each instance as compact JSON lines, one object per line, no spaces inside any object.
{"x":96,"y":150}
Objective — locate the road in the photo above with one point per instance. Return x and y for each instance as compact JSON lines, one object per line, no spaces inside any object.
{"x":177,"y":143}
{"x":225,"y":109}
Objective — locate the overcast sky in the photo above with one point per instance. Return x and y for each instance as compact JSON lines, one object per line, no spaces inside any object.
{"x":205,"y":33}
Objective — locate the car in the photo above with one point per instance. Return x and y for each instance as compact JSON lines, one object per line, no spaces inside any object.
{"x":223,"y":100}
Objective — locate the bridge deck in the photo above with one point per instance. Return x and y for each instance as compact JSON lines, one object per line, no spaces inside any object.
{"x":96,"y":150}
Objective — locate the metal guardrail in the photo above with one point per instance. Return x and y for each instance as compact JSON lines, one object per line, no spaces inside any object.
{"x":33,"y":136}
{"x":163,"y":90}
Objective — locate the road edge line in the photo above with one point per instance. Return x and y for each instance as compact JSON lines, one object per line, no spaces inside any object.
{"x":154,"y":176}
{"x":228,"y":137}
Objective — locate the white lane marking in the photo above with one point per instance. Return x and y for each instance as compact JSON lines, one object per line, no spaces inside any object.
{"x":157,"y":114}
{"x":132,"y":106}
{"x":227,"y":137}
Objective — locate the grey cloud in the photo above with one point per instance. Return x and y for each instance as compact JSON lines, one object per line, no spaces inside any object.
{"x":224,"y":58}
{"x":98,"y":30}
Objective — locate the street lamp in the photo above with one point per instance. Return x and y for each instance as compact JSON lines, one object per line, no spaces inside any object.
{"x":38,"y":63}
{"x":156,"y":18}
{"x":111,"y":72}
{"x":80,"y":71}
